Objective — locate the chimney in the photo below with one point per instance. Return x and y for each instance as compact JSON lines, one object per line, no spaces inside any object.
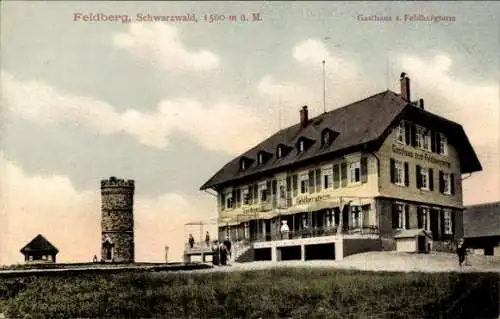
{"x":421,"y":103}
{"x":304,"y":116}
{"x":405,"y":87}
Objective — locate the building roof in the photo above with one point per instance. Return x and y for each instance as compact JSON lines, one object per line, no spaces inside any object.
{"x":39,"y":244}
{"x":361,"y":125}
{"x":482,"y":220}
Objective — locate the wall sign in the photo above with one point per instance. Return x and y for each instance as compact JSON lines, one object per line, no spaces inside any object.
{"x":419,"y":156}
{"x":309,"y":199}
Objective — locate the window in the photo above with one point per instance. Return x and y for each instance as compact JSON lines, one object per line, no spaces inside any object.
{"x":246,"y":196}
{"x":263,"y":192}
{"x":446,"y":183}
{"x":447,"y":222}
{"x":44,"y":257}
{"x":443,"y":145}
{"x":304,"y":183}
{"x":282,"y":192}
{"x":399,"y":214}
{"x":30,"y":258}
{"x":399,"y":176}
{"x":423,"y":218}
{"x":261,"y":158}
{"x":354,"y":172}
{"x":424,"y":178}
{"x":426,"y":140}
{"x":49,"y":257}
{"x":229,"y":200}
{"x":356,"y":216}
{"x":400,"y":132}
{"x":243,"y":165}
{"x":280,"y":152}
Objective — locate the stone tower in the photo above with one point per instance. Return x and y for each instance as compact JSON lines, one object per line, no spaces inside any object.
{"x":117,"y":221}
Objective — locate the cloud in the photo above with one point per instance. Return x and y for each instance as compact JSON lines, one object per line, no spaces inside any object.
{"x":475,"y":106}
{"x":70,"y":220}
{"x":345,"y":82}
{"x":312,"y":52}
{"x":207,"y":125}
{"x":161,"y":45}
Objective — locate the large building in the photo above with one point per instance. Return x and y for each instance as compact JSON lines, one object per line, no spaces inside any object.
{"x":117,"y":220}
{"x":382,"y":173}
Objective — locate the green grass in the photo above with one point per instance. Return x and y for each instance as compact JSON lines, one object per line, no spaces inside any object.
{"x":272,"y":293}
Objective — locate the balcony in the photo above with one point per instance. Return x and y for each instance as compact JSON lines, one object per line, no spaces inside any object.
{"x":316,"y":232}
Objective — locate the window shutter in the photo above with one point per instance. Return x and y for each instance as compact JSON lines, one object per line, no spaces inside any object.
{"x":407,"y":174}
{"x":294,"y":184}
{"x":407,"y":216}
{"x":343,"y":173}
{"x":413,"y":134}
{"x":364,"y":169}
{"x":452,"y":184}
{"x":394,"y":216}
{"x":275,"y":186}
{"x":438,"y":143}
{"x":433,"y":141}
{"x":441,"y":182}
{"x":311,"y":181}
{"x":318,"y":180}
{"x":238,"y":197}
{"x":268,"y":186}
{"x":255,"y":193}
{"x":420,"y":222}
{"x":441,"y":220}
{"x":288,"y":184}
{"x":452,"y":213}
{"x":431,"y":179}
{"x":393,"y":171}
{"x":336,"y":176}
{"x":223,"y":201}
{"x":419,"y":177}
{"x":407,"y":133}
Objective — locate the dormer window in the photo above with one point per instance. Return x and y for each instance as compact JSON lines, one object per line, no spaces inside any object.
{"x":303,"y":144}
{"x":327,"y":136}
{"x":245,"y":162}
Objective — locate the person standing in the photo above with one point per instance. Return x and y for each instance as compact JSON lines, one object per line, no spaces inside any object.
{"x":191,"y":241}
{"x":216,"y":253}
{"x":207,"y":239}
{"x":227,"y":243}
{"x":461,"y":252}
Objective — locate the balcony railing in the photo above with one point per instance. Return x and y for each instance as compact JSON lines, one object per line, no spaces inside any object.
{"x":314,"y":232}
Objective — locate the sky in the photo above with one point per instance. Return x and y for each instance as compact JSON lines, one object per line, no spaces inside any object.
{"x":169,"y":103}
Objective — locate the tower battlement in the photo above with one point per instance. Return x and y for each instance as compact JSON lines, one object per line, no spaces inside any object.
{"x":115,"y":182}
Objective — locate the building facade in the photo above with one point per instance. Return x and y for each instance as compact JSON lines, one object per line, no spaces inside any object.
{"x":381,"y":173}
{"x":117,"y":220}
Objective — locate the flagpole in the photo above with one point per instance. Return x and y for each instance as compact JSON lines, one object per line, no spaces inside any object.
{"x":324,"y":88}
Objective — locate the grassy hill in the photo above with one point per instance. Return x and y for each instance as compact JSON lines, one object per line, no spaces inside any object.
{"x":266,"y":293}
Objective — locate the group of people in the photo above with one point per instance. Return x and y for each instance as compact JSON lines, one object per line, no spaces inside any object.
{"x":191,"y":240}
{"x":221,"y":252}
